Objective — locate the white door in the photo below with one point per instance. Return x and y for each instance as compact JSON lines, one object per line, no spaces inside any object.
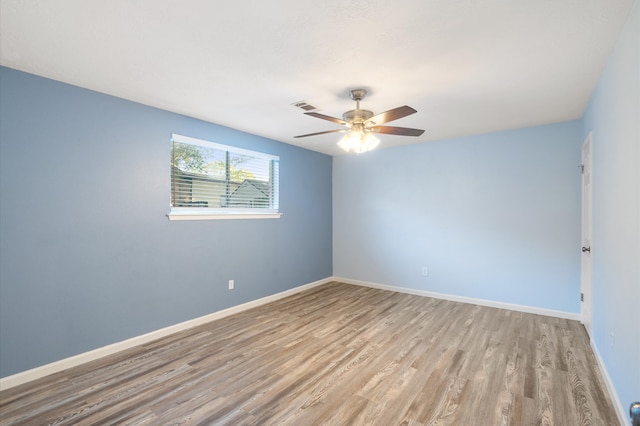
{"x":586,"y":233}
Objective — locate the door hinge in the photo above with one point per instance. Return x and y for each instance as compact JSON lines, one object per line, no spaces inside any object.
{"x":582,"y":297}
{"x":581,"y":168}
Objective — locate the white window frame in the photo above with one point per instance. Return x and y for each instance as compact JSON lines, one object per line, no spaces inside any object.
{"x":208,"y":213}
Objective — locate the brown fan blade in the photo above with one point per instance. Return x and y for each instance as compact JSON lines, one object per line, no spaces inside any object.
{"x":392,"y":114}
{"x":402,"y":131}
{"x":322,"y":133}
{"x":326,"y":117}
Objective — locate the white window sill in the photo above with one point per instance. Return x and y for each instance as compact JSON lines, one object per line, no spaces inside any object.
{"x":200,"y":215}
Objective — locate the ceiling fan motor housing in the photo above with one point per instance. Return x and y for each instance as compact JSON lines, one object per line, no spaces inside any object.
{"x":357,"y":116}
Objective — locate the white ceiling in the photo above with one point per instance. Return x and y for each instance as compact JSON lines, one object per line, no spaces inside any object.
{"x":467,"y":66}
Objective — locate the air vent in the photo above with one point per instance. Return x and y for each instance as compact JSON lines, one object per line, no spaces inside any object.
{"x":303,"y":105}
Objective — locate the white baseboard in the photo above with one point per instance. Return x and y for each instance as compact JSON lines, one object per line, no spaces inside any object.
{"x":73,"y":361}
{"x":623,"y":415}
{"x":454,"y":298}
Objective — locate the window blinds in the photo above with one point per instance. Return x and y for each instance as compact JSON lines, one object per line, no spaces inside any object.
{"x":220,"y":179}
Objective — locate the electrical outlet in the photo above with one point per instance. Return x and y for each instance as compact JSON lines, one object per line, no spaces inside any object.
{"x":425,"y":271}
{"x":613,"y":340}
{"x":231,"y":284}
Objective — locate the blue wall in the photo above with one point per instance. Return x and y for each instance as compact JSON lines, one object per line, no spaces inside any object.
{"x":613,"y":117}
{"x":494,"y":216}
{"x":88,"y":257}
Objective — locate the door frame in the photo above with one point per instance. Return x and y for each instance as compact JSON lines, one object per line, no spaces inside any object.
{"x":586,"y":233}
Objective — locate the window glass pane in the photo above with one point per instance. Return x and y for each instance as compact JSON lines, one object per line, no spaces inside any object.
{"x":217,"y":177}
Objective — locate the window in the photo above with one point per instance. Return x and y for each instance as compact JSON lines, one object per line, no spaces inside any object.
{"x":214,"y":181}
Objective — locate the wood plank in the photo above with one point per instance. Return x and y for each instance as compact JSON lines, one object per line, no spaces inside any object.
{"x":342,"y":355}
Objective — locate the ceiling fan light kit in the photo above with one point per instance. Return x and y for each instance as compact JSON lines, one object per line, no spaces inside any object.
{"x":358,"y":142}
{"x":362,"y":124}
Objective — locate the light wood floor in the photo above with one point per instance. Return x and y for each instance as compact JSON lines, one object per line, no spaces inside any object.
{"x":337,"y":355}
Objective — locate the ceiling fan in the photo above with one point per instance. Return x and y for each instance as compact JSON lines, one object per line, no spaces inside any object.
{"x":361,"y":124}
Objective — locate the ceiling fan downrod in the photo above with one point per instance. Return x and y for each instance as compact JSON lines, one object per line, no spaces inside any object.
{"x":357,"y":116}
